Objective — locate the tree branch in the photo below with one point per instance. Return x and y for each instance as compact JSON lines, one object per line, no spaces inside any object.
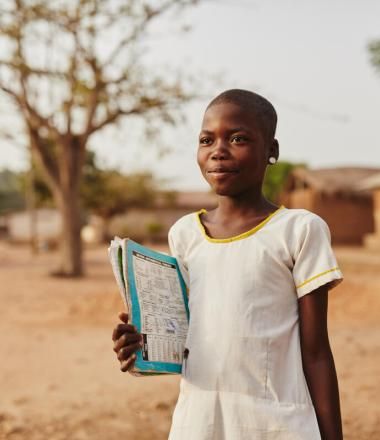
{"x":28,"y":70}
{"x":11,"y":93}
{"x":150,"y":14}
{"x":49,"y":165}
{"x":31,"y":116}
{"x":111,"y":118}
{"x":94,"y":96}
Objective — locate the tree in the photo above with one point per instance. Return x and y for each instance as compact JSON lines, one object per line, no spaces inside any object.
{"x":104,"y":192}
{"x":108,"y":192}
{"x":32,"y":181}
{"x":72,"y":68}
{"x":374,"y":50}
{"x":275,"y":178}
{"x":11,"y":194}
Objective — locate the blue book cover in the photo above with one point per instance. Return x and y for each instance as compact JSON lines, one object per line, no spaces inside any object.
{"x":155,"y":295}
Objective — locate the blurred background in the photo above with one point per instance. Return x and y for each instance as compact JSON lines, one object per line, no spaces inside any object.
{"x":100,"y":107}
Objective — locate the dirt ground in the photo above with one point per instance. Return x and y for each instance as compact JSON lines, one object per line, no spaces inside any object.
{"x":59,"y":378}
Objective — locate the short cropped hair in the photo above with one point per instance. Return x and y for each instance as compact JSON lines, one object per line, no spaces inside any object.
{"x":251,"y":102}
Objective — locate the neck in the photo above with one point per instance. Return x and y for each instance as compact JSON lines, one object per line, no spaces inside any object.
{"x":253,"y":203}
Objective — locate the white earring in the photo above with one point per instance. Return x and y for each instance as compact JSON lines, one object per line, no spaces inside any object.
{"x":272,"y":160}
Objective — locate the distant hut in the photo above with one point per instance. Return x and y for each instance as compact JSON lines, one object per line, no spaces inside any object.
{"x":333,"y":194}
{"x":372,"y":183}
{"x":47,"y":227}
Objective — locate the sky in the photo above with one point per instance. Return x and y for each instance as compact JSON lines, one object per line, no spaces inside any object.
{"x":309,"y":58}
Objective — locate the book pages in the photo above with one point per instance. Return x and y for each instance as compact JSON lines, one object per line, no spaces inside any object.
{"x":155,"y":294}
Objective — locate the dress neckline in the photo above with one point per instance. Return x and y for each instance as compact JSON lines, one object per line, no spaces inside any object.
{"x":235,"y":237}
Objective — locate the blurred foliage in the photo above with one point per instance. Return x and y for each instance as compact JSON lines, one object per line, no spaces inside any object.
{"x":169,"y":198}
{"x":374,"y":50}
{"x":154,"y":229}
{"x":42,"y":197}
{"x":104,"y":192}
{"x":11,"y":193}
{"x":275,"y":178}
{"x":109,"y":192}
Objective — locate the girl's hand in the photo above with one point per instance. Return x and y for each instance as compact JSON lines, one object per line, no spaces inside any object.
{"x":127,"y":341}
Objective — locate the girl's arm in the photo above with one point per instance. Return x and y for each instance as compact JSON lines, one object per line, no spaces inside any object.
{"x":318,"y":363}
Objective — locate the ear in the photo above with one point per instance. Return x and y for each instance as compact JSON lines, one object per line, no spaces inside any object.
{"x":274,"y":150}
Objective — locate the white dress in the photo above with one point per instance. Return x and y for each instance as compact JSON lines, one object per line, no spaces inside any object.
{"x":243,"y":377}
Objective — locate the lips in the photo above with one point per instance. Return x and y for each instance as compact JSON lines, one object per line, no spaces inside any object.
{"x":222,"y":170}
{"x":221,"y":174}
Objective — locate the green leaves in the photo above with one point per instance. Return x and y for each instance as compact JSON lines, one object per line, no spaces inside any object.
{"x":275,"y":178}
{"x":107,"y":192}
{"x":374,"y":50}
{"x":11,"y":194}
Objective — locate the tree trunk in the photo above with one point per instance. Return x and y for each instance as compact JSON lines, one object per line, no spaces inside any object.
{"x":61,"y":158}
{"x":70,"y":243}
{"x":68,"y":201}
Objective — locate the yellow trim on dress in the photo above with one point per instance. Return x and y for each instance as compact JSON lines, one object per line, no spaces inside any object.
{"x":236,"y":237}
{"x":317,"y":276}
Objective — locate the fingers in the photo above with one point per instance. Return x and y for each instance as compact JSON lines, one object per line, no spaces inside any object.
{"x":126,"y":352}
{"x":128,"y":364}
{"x":126,"y":342}
{"x":123,"y":317}
{"x":120,"y":329}
{"x":126,"y":339}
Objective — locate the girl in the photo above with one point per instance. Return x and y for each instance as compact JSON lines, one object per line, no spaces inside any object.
{"x":259,"y":364}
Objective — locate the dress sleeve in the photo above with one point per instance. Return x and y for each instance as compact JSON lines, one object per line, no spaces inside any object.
{"x":177,"y":252}
{"x":314,"y":260}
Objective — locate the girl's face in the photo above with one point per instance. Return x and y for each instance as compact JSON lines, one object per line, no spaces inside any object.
{"x":232,"y":152}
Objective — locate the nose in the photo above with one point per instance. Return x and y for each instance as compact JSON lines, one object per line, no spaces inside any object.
{"x":220,"y":151}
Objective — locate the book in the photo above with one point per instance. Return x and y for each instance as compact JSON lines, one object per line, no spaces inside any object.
{"x":155,"y":296}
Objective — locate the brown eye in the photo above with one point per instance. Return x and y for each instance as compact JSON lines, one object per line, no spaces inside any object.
{"x":205,"y":141}
{"x":239,"y":139}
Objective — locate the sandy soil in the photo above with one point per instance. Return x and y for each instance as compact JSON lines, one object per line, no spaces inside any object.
{"x":59,"y":378}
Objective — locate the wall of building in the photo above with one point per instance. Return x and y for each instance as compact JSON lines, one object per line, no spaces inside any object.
{"x":48,"y":225}
{"x":372,"y":241}
{"x":299,"y":198}
{"x":376,"y":202}
{"x":349,"y":218}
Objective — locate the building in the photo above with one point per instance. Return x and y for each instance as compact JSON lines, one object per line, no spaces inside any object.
{"x":372,"y":183}
{"x":43,"y":227}
{"x":336,"y":196}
